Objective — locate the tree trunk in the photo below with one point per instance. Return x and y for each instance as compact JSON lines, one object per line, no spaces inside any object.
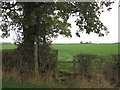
{"x":27,"y":47}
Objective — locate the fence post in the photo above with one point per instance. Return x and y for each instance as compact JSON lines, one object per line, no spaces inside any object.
{"x":74,"y":67}
{"x":36,"y":55}
{"x":56,"y":64}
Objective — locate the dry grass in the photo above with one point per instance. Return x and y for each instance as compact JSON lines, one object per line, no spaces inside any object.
{"x":41,"y":79}
{"x":45,"y":81}
{"x":12,"y":75}
{"x":48,"y":81}
{"x":97,"y":82}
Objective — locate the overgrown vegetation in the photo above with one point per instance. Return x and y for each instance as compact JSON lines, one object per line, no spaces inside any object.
{"x":105,"y":66}
{"x":92,"y":71}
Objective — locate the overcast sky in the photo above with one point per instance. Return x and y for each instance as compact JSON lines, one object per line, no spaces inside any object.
{"x":110,"y":20}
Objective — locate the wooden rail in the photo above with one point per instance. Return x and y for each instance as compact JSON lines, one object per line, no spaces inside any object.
{"x":68,"y":62}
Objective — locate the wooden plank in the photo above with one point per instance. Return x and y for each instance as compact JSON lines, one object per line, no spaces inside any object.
{"x":65,"y":61}
{"x":74,"y":67}
{"x":68,"y":62}
{"x":56,"y":62}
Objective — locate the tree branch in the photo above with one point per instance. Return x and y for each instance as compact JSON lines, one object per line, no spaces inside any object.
{"x":11,"y":6}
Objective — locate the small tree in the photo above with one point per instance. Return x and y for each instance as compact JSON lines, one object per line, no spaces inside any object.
{"x":81,"y":42}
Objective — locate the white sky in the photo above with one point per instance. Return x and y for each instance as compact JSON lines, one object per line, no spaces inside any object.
{"x":110,"y":20}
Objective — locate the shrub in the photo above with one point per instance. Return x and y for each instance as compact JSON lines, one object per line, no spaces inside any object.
{"x":8,"y":60}
{"x":91,"y":66}
{"x":13,"y":59}
{"x":17,"y":59}
{"x":109,"y":68}
{"x":84,"y":62}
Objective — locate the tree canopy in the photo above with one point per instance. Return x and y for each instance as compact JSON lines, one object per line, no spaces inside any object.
{"x":49,"y":19}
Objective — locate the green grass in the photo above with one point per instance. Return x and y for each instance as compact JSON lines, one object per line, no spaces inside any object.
{"x":13,"y":84}
{"x":6,"y":83}
{"x":4,"y":47}
{"x":67,"y":51}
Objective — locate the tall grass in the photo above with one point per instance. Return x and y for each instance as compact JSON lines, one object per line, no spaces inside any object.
{"x":12,"y":80}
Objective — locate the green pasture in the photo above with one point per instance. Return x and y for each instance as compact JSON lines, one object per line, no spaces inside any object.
{"x":67,"y":51}
{"x":5,"y":47}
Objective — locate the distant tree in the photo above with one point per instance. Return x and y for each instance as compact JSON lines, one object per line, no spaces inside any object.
{"x":81,"y":42}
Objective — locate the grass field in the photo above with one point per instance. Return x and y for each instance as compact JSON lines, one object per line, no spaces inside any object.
{"x":67,"y":51}
{"x":4,"y":47}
